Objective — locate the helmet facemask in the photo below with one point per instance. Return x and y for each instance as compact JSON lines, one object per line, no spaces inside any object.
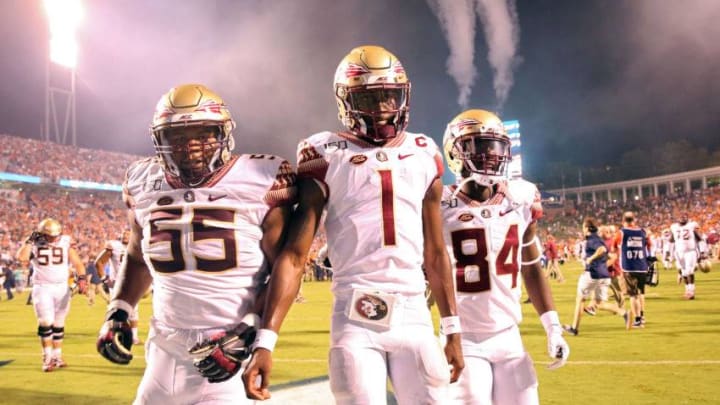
{"x":485,"y":158}
{"x":194,"y":152}
{"x":377,"y":112}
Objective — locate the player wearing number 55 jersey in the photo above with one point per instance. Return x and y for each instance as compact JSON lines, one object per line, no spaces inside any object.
{"x":381,"y":187}
{"x":490,"y":233}
{"x":205,"y":225}
{"x":51,"y":254}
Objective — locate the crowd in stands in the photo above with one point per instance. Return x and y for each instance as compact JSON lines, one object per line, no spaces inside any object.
{"x":652,"y":213}
{"x":54,"y":161}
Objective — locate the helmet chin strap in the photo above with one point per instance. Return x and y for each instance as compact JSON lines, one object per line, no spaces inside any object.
{"x":481,"y":179}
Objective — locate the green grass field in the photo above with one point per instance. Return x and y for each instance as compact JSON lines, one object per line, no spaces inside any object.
{"x":675,"y":359}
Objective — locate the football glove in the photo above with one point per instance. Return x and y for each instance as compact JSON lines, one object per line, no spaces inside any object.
{"x":107,"y":284}
{"x":220,"y":357}
{"x":558,"y":348}
{"x":115,"y":339}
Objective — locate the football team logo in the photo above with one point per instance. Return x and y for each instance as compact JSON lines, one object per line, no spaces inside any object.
{"x":371,"y":307}
{"x":358,"y":159}
{"x":466,"y":217}
{"x":167,"y":200}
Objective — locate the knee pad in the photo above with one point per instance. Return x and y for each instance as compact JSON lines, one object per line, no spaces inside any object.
{"x":45,"y":331}
{"x":58,"y":332}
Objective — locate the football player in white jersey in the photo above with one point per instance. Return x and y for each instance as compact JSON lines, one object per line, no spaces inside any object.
{"x":381,"y":186}
{"x":490,"y":233}
{"x":685,"y":236}
{"x":668,"y":248}
{"x":114,"y":253}
{"x":205,"y":225}
{"x":51,"y":255}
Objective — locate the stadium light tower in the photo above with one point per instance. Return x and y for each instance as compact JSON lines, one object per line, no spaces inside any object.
{"x":63,"y":18}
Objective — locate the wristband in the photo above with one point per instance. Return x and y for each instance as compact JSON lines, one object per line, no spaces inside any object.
{"x":120,"y":304}
{"x":265,"y":339}
{"x":550,"y":320}
{"x":450,"y":325}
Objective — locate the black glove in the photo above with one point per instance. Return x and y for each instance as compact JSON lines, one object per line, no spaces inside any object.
{"x":107,"y":284}
{"x":115,"y":339}
{"x":33,"y":237}
{"x":219,"y":358}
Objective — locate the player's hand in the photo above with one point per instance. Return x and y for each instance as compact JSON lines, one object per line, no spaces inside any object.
{"x":115,"y":338}
{"x":256,"y":377}
{"x":33,"y":237}
{"x":454,"y":356}
{"x":219,"y":358}
{"x":82,"y":284}
{"x":107,"y":284}
{"x":558,"y":348}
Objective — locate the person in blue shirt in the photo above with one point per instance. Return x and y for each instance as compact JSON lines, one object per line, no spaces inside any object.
{"x":595,"y":280}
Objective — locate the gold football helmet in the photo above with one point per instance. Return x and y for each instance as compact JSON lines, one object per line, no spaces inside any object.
{"x":47,"y":231}
{"x":192,"y":133}
{"x":477,"y":147}
{"x":373,"y":93}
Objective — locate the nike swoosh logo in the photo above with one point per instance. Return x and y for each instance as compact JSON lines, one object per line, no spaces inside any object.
{"x":216,"y":197}
{"x":401,"y":157}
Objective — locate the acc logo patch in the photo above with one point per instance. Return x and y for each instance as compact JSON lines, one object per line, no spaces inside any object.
{"x":466,"y":217}
{"x":485,"y":213}
{"x":167,"y":200}
{"x":358,"y":159}
{"x":189,"y":196}
{"x":381,"y":156}
{"x":371,"y":307}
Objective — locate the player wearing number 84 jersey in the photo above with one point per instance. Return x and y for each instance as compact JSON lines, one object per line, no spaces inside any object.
{"x":490,"y":234}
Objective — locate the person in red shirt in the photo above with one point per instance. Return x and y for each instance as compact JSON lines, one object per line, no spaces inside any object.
{"x":551,"y":252}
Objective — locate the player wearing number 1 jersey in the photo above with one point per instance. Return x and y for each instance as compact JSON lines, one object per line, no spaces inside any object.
{"x":490,"y":233}
{"x":51,"y":255}
{"x":381,"y":187}
{"x":205,"y":226}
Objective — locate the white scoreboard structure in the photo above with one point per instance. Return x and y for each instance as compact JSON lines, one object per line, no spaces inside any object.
{"x":512,"y":128}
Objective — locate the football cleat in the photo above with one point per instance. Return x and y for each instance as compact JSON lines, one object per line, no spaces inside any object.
{"x":590,"y":311}
{"x":58,"y":362}
{"x":569,"y":329}
{"x":48,"y":364}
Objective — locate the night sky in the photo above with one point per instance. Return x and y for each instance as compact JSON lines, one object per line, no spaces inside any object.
{"x":587,"y":80}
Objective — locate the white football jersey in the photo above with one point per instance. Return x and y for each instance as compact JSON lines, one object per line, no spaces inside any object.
{"x":684,"y":236}
{"x":117,"y":253}
{"x":484,"y":241}
{"x":202,"y":244}
{"x":51,"y":263}
{"x":374,"y":206}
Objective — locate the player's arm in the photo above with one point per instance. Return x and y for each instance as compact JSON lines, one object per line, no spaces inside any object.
{"x":274,"y":232}
{"x":539,"y":293}
{"x":102,"y":259}
{"x":133,"y":279}
{"x":23,"y":255}
{"x":439,"y":276}
{"x":284,"y":284}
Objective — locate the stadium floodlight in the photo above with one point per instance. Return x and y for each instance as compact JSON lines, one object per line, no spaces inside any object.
{"x":64,"y":17}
